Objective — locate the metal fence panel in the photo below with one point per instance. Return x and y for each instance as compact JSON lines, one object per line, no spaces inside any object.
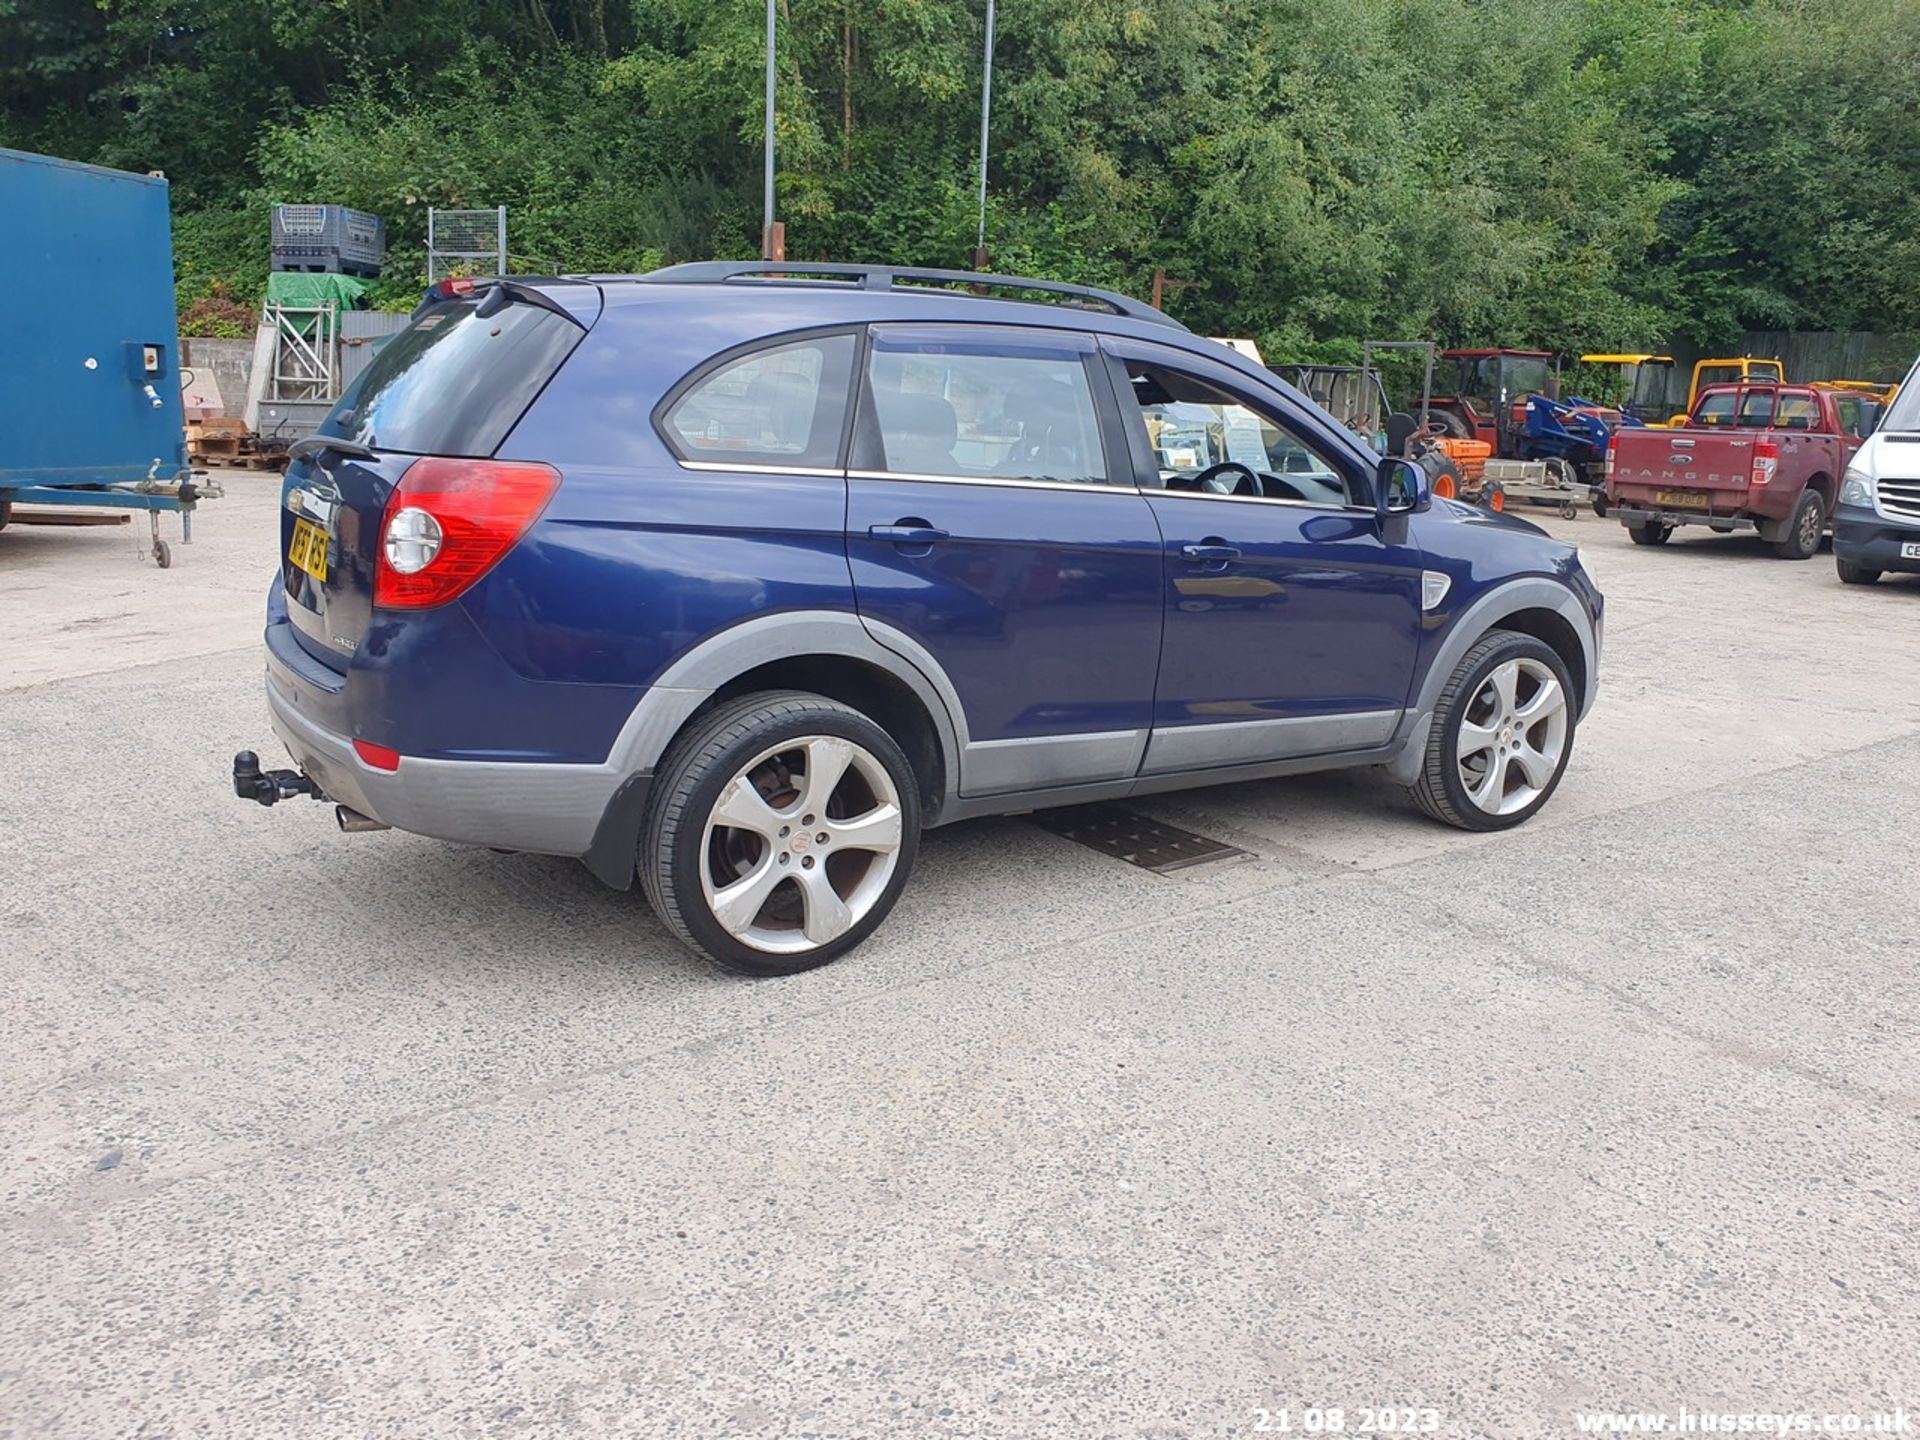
{"x":473,"y":240}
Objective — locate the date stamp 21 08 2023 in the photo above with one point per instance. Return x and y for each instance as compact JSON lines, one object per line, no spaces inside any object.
{"x":1345,"y":1420}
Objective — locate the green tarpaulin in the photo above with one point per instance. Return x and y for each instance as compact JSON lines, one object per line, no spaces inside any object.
{"x":291,"y":289}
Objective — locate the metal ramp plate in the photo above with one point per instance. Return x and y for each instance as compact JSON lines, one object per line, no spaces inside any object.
{"x":1125,"y":835}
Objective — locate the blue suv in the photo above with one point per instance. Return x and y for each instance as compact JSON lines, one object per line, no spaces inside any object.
{"x":738,"y":576}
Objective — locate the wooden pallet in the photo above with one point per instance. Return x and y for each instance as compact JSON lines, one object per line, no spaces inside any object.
{"x":219,"y":425}
{"x":226,"y":440}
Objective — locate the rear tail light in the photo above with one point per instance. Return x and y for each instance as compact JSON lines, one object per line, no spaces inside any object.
{"x":448,"y":522}
{"x":1613,"y":454}
{"x":1766,"y":460}
{"x":380,"y":757}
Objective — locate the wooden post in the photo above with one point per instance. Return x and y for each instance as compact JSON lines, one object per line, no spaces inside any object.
{"x":773,"y":245}
{"x":1159,"y":288}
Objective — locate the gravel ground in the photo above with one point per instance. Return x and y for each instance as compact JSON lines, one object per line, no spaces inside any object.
{"x":310,"y":1135}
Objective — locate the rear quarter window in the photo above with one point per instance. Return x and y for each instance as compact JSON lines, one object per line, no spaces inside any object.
{"x":781,"y":405}
{"x":455,"y":381}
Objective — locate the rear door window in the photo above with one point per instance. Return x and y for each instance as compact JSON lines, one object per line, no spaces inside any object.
{"x":1797,"y":410}
{"x":456,"y":380}
{"x":985,"y":403}
{"x":781,"y":406}
{"x":1715,"y":409}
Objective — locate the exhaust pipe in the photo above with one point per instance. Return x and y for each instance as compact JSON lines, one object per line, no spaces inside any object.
{"x":354,"y":823}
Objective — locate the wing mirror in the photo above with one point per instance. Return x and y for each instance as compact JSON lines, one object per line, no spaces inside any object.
{"x":1403,"y":487}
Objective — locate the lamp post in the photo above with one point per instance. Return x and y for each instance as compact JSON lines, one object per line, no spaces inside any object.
{"x":772,"y":244}
{"x":986,"y":110}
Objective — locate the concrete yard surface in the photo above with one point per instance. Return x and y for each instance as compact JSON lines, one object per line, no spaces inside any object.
{"x":314,"y":1135}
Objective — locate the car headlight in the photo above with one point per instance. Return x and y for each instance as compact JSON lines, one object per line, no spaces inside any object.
{"x":1856,"y":488}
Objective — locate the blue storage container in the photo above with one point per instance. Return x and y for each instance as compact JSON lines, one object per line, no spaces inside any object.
{"x":90,"y":350}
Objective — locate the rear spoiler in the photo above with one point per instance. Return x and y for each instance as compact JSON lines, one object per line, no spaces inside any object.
{"x":496,"y":291}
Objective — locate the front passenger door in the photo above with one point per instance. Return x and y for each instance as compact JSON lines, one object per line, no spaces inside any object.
{"x":1292,"y":621}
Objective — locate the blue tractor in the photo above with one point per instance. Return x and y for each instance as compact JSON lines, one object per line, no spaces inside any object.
{"x":1571,"y":436}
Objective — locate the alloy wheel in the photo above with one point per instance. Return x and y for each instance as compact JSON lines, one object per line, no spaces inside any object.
{"x":800,"y":844}
{"x":1812,"y":521}
{"x":1513,"y":737}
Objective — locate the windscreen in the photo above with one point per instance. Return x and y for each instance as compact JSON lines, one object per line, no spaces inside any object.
{"x":1904,"y":412}
{"x":1526,"y":376}
{"x":456,"y":380}
{"x":1649,"y":390}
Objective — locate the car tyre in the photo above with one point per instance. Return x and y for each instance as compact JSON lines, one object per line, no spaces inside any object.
{"x":1804,"y":529}
{"x":1851,"y":574}
{"x":1653,"y":532}
{"x":745,"y":859}
{"x":1501,"y":736}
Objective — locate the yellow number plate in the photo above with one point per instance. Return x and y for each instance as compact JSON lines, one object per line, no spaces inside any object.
{"x":1688,"y":499}
{"x":308,"y":549}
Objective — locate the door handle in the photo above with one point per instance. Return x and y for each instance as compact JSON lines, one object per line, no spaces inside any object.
{"x":907,"y":532}
{"x":1211,"y":554}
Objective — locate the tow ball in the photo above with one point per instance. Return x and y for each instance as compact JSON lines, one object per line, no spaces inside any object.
{"x":269,"y":787}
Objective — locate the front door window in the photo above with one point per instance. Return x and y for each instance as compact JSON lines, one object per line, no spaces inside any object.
{"x":1205,"y":439}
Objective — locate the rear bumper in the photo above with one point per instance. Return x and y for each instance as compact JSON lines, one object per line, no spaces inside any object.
{"x":550,"y":809}
{"x":1633,"y":513}
{"x":1861,"y":537}
{"x":1727,"y":508}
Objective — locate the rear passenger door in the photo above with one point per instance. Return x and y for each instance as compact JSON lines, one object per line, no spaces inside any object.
{"x":993,"y":526}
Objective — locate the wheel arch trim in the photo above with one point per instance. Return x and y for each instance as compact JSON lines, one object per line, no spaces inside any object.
{"x":1468,"y":628}
{"x":691,"y":680}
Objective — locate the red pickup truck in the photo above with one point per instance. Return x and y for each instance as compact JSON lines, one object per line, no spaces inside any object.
{"x":1763,"y":457}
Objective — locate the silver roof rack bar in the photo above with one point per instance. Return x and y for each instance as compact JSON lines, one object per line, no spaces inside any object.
{"x":885,"y":277}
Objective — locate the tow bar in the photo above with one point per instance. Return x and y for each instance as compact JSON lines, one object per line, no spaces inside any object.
{"x":269,"y":787}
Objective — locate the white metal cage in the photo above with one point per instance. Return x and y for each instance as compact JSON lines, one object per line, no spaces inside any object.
{"x":469,"y":240}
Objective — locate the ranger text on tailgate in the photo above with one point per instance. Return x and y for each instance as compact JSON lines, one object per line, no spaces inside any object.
{"x":734,"y":580}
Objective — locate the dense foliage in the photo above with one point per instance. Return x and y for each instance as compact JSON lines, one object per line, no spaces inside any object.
{"x":1578,"y":173}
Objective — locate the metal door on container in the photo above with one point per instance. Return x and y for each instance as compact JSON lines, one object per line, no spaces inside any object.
{"x":1292,"y":619}
{"x":995,"y":533}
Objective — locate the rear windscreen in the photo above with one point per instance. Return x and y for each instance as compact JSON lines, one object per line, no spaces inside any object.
{"x":455,"y":381}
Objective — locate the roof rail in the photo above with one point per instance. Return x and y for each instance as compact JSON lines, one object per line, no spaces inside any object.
{"x":885,"y":277}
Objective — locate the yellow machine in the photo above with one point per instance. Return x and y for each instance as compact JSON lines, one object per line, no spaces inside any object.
{"x":1729,"y":372}
{"x":1642,"y":389}
{"x":1873,"y":389}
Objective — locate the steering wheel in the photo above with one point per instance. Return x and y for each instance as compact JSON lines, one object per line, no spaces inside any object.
{"x":1229,"y":477}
